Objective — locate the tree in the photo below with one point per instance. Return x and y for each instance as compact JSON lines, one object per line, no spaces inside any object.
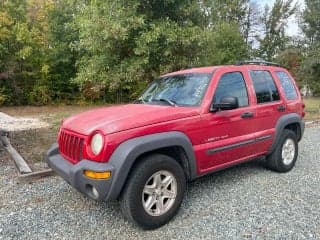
{"x":125,"y":44}
{"x":107,"y":50}
{"x":225,"y":45}
{"x":12,"y":13}
{"x":229,"y":26}
{"x":226,"y":11}
{"x":62,"y":56}
{"x":23,"y":49}
{"x":250,"y":27}
{"x":273,"y":23}
{"x":310,"y":67}
{"x":291,"y":58}
{"x":311,"y":21}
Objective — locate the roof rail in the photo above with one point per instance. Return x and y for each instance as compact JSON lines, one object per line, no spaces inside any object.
{"x":264,"y":63}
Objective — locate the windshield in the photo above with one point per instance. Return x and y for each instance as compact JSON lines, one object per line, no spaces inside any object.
{"x":183,"y":89}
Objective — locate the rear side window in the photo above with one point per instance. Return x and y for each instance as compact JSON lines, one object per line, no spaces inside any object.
{"x":287,"y":85}
{"x":264,"y":86}
{"x":232,"y":85}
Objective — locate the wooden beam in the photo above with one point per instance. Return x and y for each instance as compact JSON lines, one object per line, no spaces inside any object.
{"x":21,"y":164}
{"x":29,"y":177}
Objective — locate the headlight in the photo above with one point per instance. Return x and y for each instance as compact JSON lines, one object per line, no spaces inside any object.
{"x":96,"y":143}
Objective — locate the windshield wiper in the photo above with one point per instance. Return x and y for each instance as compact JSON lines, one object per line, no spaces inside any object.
{"x":171,"y":102}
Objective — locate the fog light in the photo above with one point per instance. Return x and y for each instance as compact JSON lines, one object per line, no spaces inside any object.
{"x":97,"y":175}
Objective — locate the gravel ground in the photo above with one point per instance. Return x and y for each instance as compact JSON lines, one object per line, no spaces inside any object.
{"x":244,"y":202}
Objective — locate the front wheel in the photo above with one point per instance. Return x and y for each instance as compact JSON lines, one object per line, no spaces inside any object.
{"x":285,"y":154}
{"x":154,"y":191}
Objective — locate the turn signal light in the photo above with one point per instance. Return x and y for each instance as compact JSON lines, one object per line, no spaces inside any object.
{"x":97,"y":175}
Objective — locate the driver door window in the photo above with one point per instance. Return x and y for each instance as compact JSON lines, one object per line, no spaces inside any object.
{"x":232,"y":85}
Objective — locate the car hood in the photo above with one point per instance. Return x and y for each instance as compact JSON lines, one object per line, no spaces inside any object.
{"x":123,"y":117}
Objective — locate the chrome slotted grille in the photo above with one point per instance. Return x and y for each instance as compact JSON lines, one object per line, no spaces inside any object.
{"x":70,"y":146}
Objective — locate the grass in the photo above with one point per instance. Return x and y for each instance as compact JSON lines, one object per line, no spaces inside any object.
{"x":312,"y":108}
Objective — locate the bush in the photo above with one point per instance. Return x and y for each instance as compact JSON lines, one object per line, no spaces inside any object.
{"x":2,"y":98}
{"x":40,"y":95}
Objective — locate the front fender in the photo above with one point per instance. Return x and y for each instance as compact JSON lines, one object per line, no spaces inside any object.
{"x":127,"y":153}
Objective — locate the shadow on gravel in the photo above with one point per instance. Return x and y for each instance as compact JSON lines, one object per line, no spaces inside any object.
{"x":213,"y":187}
{"x":197,"y":191}
{"x":252,"y":167}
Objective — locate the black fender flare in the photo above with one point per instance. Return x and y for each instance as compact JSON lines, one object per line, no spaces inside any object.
{"x":282,"y":122}
{"x":127,"y":153}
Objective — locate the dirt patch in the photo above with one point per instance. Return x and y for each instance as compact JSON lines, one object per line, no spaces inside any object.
{"x":11,"y":124}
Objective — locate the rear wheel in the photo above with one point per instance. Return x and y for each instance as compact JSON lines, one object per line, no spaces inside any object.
{"x":154,"y":191}
{"x":285,"y":154}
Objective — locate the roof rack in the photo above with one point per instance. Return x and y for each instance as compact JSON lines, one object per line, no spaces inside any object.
{"x":264,"y":63}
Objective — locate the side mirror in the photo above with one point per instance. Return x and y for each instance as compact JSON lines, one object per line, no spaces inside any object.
{"x":226,"y":103}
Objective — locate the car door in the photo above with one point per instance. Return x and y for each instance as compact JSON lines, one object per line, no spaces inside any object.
{"x":228,"y":134}
{"x":269,"y":107}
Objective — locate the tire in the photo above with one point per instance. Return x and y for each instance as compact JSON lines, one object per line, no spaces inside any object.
{"x":141,"y":198}
{"x":285,"y":154}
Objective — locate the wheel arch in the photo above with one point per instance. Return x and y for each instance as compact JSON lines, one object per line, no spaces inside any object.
{"x":290,"y":121}
{"x":174,"y":144}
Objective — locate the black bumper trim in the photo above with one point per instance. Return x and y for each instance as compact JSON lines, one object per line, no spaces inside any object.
{"x":73,"y":174}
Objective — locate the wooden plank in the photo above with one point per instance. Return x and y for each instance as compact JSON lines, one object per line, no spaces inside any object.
{"x":21,"y":164}
{"x":29,"y":177}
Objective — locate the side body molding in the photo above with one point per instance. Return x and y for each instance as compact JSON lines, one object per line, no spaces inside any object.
{"x":282,"y":123}
{"x":127,"y":152}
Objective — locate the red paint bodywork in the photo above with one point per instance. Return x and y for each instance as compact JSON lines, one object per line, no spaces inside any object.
{"x":205,"y":129}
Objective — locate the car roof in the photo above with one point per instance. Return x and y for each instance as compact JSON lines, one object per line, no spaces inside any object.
{"x":211,"y":69}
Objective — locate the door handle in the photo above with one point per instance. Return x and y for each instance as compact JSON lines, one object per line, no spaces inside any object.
{"x":281,"y":108}
{"x":247,"y":115}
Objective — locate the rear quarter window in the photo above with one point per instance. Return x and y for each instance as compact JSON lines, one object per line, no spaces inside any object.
{"x":287,"y":85}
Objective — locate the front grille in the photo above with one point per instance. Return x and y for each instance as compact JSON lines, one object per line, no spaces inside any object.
{"x":70,"y":146}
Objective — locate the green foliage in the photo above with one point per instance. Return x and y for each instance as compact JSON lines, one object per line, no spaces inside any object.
{"x":40,"y":95}
{"x":227,"y":11}
{"x":24,"y":45}
{"x":103,"y":50}
{"x":310,"y":67}
{"x":311,"y":18}
{"x":126,"y":45}
{"x":274,"y":22}
{"x":3,"y":96}
{"x":225,"y":45}
{"x":291,"y":58}
{"x":61,"y":58}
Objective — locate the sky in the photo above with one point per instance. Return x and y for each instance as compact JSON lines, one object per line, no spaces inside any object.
{"x":292,"y":29}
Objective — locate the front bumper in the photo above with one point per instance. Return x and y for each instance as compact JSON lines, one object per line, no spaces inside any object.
{"x":97,"y":189}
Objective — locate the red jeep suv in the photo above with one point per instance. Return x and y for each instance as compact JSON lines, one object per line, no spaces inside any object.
{"x":185,"y":125}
